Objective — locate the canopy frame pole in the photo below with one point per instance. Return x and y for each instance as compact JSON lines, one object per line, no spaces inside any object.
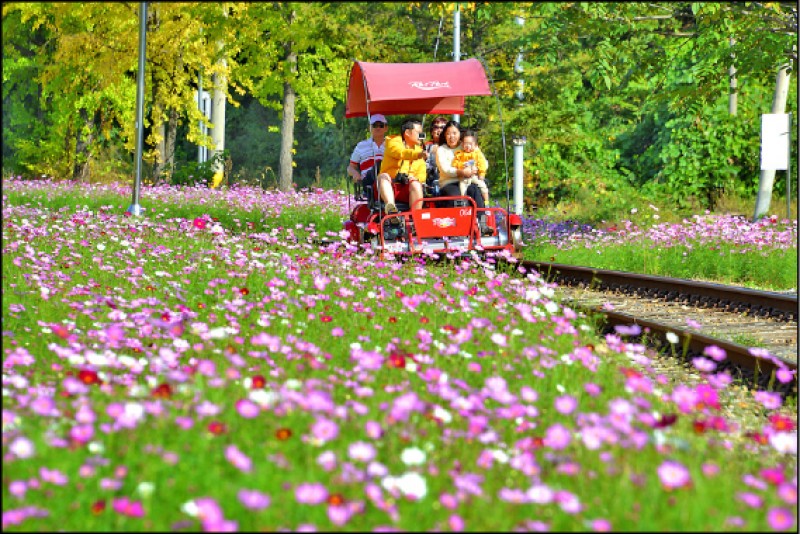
{"x":369,"y":129}
{"x":502,"y":131}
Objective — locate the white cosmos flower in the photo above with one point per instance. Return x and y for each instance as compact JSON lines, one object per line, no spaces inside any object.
{"x":412,"y":485}
{"x":411,"y":367}
{"x":413,"y":456}
{"x":145,"y":489}
{"x":218,"y":333}
{"x":190,"y":508}
{"x":22,"y":447}
{"x":784,"y":442}
{"x":672,"y":337}
{"x":500,"y":456}
{"x":551,"y":306}
{"x":293,"y":383}
{"x":540,"y":494}
{"x":442,"y":414}
{"x":95,"y":447}
{"x":263,"y":397}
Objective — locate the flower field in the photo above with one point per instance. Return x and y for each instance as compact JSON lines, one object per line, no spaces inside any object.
{"x":206,"y":366}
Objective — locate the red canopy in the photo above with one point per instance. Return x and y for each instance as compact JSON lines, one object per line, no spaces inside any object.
{"x":414,"y":88}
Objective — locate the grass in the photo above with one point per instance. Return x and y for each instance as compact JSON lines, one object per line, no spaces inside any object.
{"x":717,"y":248}
{"x":167,"y":359}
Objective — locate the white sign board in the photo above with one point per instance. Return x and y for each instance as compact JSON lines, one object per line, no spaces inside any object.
{"x":774,"y":142}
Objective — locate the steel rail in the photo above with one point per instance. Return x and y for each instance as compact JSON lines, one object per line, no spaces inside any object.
{"x":741,"y":295}
{"x":696,"y":342}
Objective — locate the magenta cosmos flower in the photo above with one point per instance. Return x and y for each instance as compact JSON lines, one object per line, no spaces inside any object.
{"x":673,"y":475}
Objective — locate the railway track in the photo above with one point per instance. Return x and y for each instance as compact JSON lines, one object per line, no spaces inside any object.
{"x":757,"y":329}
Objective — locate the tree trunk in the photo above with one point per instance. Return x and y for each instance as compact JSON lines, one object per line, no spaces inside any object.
{"x":220,"y":82}
{"x":733,"y":92}
{"x":287,"y":123}
{"x":169,"y":146}
{"x":767,"y":177}
{"x":158,"y":162}
{"x":83,"y":142}
{"x":287,"y":136}
{"x":218,"y":116}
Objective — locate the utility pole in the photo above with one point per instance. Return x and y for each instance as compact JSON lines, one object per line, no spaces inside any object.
{"x":135,"y":208}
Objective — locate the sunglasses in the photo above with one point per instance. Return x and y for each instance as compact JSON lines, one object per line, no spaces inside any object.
{"x":379,"y":124}
{"x":437,"y":127}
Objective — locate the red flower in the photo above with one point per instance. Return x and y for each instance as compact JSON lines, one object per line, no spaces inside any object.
{"x":258,"y":382}
{"x":630,"y":373}
{"x":424,"y":320}
{"x":392,"y":319}
{"x":99,"y":507}
{"x":282,"y":434}
{"x":88,"y":377}
{"x":781,"y":422}
{"x":397,"y":359}
{"x":399,"y":294}
{"x":217,"y":428}
{"x":336,"y":499}
{"x":326,"y":318}
{"x":162,"y":391}
{"x":666,"y":420}
{"x":244,"y":291}
{"x":700,"y":426}
{"x":61,"y":331}
{"x":165,"y":316}
{"x":758,"y":437}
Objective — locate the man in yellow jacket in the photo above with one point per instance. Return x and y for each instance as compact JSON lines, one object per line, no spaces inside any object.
{"x":403,"y":166}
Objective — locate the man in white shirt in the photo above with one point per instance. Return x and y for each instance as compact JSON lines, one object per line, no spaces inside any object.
{"x":368,"y":153}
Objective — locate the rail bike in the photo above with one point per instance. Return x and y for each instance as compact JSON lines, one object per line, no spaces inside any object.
{"x":438,"y":225}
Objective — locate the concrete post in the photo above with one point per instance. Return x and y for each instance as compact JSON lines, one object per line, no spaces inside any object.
{"x":767,"y":177}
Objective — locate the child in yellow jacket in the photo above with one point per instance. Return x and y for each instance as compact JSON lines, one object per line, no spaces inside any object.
{"x":471,"y":154}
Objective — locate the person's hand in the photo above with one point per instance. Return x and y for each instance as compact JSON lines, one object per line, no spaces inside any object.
{"x":422,"y":155}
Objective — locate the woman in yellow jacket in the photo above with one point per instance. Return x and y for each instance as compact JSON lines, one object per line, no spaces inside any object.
{"x":403,"y":166}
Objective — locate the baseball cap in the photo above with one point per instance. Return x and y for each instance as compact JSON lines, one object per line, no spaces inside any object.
{"x":377,"y":118}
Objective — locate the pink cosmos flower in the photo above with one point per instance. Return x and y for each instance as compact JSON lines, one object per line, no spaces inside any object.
{"x":310,"y":493}
{"x":239,"y":460}
{"x":565,"y":404}
{"x":750,"y":499}
{"x":253,"y":499}
{"x":200,"y":223}
{"x":339,"y":514}
{"x":785,"y":375}
{"x":600,"y":525}
{"x":362,"y":451}
{"x":788,"y":493}
{"x":125,"y":506}
{"x":715,"y":353}
{"x":324,"y":430}
{"x":247,"y":408}
{"x":781,"y":519}
{"x":456,"y":523}
{"x":769,"y":399}
{"x":557,"y":437}
{"x":673,"y":475}
{"x":592,"y":389}
{"x":54,"y":476}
